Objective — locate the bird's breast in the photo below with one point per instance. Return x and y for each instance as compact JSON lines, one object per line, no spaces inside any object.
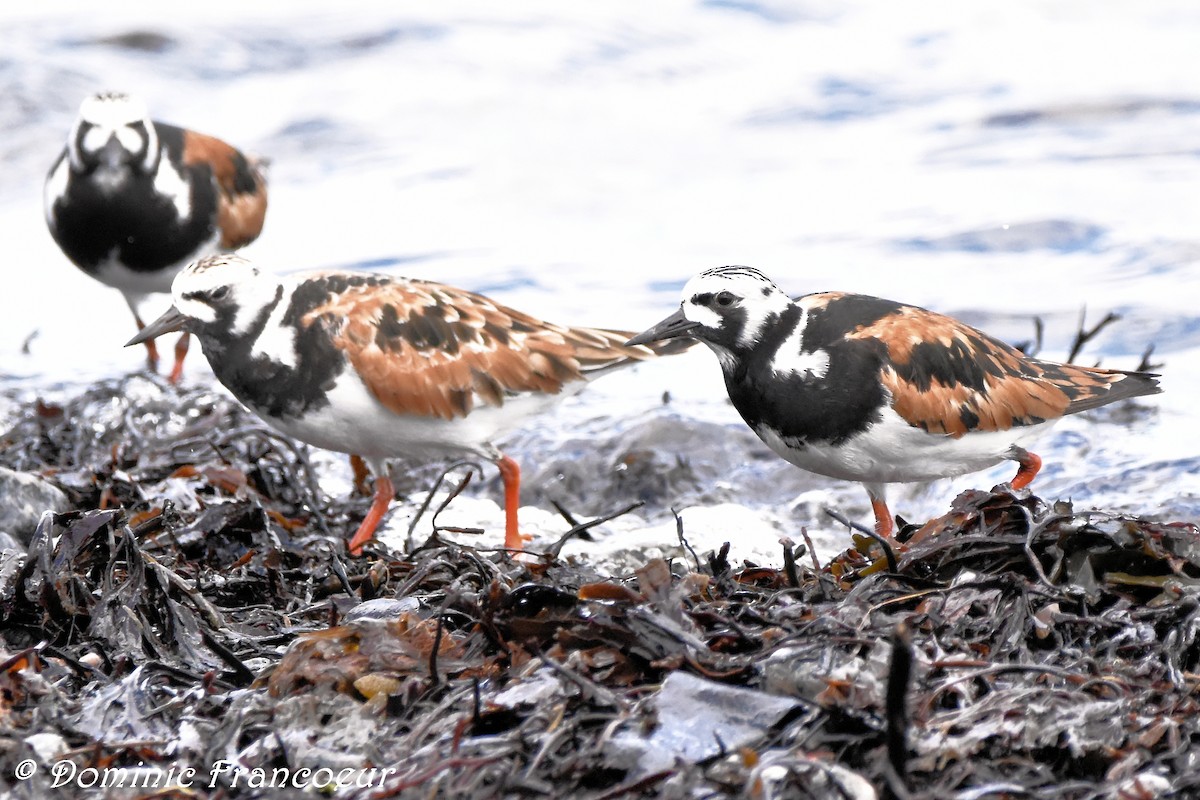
{"x":826,"y":395}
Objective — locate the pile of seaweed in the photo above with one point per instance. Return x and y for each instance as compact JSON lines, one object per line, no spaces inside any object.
{"x":190,"y":624}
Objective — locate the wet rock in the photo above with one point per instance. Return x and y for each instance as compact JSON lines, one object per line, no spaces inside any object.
{"x":540,"y":687}
{"x":48,"y":747}
{"x":383,"y":608}
{"x":125,"y":710}
{"x":699,"y":719}
{"x":782,"y":774}
{"x":26,"y":498}
{"x":662,"y":463}
{"x":12,"y":564}
{"x":838,"y":679}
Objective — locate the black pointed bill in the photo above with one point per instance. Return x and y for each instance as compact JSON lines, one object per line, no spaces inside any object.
{"x":113,"y":155}
{"x":673,"y":326}
{"x":172,"y":320}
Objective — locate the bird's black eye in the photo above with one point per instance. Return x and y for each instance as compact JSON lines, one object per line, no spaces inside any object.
{"x":219,"y":293}
{"x":724,"y":298}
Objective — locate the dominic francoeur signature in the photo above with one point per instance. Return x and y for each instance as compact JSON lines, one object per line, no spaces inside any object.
{"x":228,"y":774}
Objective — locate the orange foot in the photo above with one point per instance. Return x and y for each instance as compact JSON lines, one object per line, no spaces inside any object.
{"x":884,"y":525}
{"x":362,"y":475}
{"x":181,"y":349}
{"x":384,"y":492}
{"x":151,"y":349}
{"x":1030,"y":464}
{"x":510,"y":473}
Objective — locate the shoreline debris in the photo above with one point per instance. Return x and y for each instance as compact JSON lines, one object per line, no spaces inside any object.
{"x":196,"y":610}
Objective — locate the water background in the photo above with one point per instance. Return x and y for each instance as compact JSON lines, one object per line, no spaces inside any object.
{"x":996,"y":161}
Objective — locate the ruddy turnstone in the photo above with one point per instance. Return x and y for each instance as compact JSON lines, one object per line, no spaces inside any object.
{"x":382,"y":366}
{"x":132,"y":201}
{"x":870,"y":390}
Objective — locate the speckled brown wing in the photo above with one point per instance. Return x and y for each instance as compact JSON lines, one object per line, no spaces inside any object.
{"x":242,"y":189}
{"x":431,"y":350}
{"x":947,"y":377}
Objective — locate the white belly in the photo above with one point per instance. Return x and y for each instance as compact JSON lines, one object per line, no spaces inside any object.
{"x":133,"y":283}
{"x":355,"y":422}
{"x":893,"y":451}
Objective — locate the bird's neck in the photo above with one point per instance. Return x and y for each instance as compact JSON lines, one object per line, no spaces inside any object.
{"x":277,"y":365}
{"x":232,"y":345}
{"x":752,"y":348}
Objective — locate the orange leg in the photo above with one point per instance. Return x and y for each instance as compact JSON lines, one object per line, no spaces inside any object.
{"x":1030,"y":464}
{"x":510,"y":472}
{"x":181,"y":349}
{"x":151,"y":350}
{"x":384,"y":492}
{"x":362,"y":475}
{"x":884,"y":525}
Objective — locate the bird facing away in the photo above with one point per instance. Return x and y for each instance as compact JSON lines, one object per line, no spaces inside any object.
{"x":865,"y":389}
{"x":132,"y":201}
{"x":381,"y":366}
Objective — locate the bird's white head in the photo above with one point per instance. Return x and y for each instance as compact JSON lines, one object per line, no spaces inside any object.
{"x":113,"y":133}
{"x":225,"y":290}
{"x":219,"y":298}
{"x":726,"y":308}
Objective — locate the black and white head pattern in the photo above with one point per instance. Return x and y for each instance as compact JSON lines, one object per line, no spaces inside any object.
{"x":225,"y":296}
{"x":732,"y":306}
{"x":113,"y":133}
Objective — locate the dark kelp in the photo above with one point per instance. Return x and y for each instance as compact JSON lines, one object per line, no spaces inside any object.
{"x":197,"y":607}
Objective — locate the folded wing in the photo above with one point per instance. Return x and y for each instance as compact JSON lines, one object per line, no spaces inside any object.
{"x":429,"y":349}
{"x":947,"y":377}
